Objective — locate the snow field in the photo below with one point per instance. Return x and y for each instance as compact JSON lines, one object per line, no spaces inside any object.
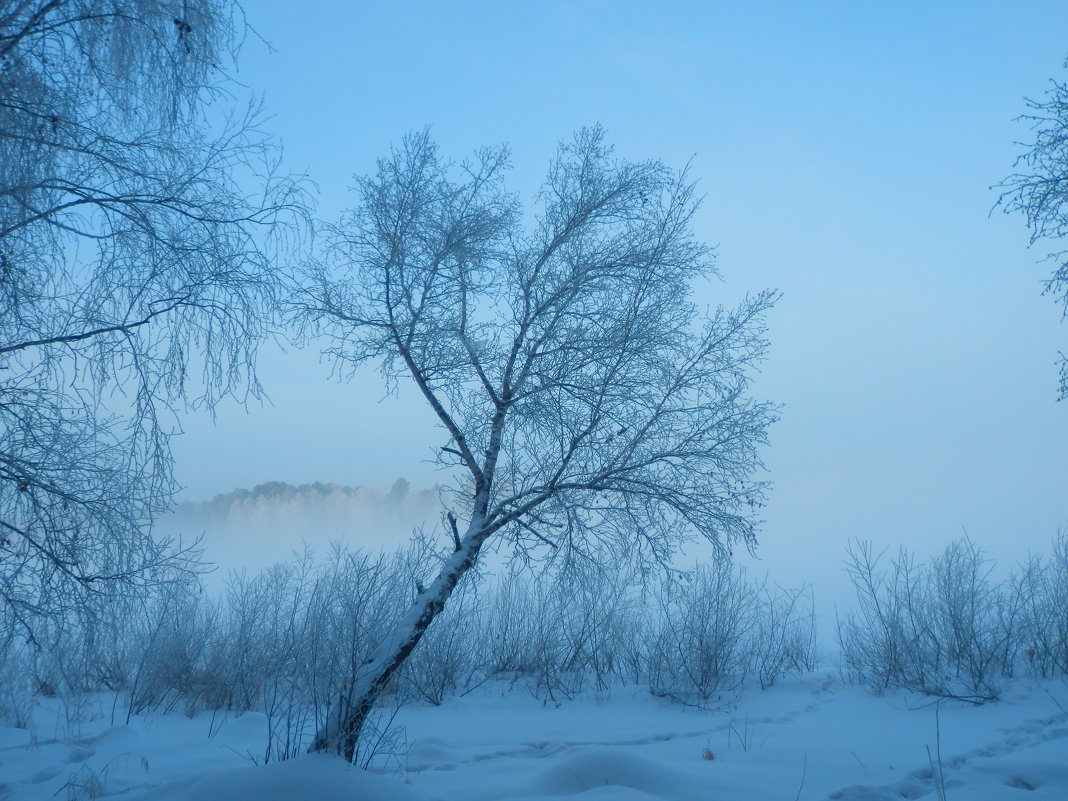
{"x":701,"y":688}
{"x":809,"y":737}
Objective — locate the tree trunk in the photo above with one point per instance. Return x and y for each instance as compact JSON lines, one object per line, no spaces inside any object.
{"x":341,"y":731}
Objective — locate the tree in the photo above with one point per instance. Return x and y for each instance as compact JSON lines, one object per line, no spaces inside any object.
{"x":586,"y":413}
{"x":1039,"y":190}
{"x":130,"y":261}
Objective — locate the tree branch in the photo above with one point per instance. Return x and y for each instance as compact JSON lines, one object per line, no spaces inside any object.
{"x":66,"y":339}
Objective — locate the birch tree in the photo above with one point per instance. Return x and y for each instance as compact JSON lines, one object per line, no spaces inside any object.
{"x":587,"y":408}
{"x":135,"y":277}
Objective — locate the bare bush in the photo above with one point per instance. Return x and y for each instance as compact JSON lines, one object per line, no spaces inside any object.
{"x":1042,"y":589}
{"x":704,"y":627}
{"x":718,"y":627}
{"x":945,"y":629}
{"x":282,"y":641}
{"x":785,"y":635}
{"x":16,"y":694}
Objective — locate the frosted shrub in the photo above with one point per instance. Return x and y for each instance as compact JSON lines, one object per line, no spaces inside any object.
{"x":283,"y":641}
{"x":597,"y":620}
{"x":16,"y":694}
{"x":706,"y":622}
{"x":973,"y":620}
{"x":785,"y":635}
{"x":945,"y":629}
{"x":525,"y":639}
{"x":506,"y":633}
{"x":1042,"y":589}
{"x":561,"y":634}
{"x":175,"y":632}
{"x":718,"y":627}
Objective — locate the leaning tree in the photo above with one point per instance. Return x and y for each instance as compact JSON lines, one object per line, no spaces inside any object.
{"x":134,"y":277}
{"x":588,"y":408}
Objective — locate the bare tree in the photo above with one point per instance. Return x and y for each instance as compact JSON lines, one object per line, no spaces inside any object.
{"x":131,"y":260}
{"x":1039,"y":189}
{"x":587,"y":411}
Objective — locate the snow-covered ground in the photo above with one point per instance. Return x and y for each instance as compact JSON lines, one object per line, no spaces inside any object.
{"x":806,"y":738}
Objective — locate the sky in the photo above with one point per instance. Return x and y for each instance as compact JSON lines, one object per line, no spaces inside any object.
{"x":846,"y":152}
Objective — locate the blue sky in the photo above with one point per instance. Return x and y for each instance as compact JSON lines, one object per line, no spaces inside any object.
{"x":846,"y":153}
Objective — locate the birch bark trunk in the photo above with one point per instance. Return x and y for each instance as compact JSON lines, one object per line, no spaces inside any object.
{"x":341,"y":731}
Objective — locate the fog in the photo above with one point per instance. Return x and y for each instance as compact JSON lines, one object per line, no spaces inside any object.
{"x":250,"y":529}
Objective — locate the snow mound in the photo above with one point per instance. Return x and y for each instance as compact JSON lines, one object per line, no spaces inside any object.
{"x":322,"y":778}
{"x":609,"y":771}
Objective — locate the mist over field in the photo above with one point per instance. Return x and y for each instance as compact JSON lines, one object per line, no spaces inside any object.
{"x":247,"y":530}
{"x":250,"y":529}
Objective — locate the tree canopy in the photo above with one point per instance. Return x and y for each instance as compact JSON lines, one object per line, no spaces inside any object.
{"x":1039,"y":190}
{"x":588,"y":409}
{"x":135,"y":275}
